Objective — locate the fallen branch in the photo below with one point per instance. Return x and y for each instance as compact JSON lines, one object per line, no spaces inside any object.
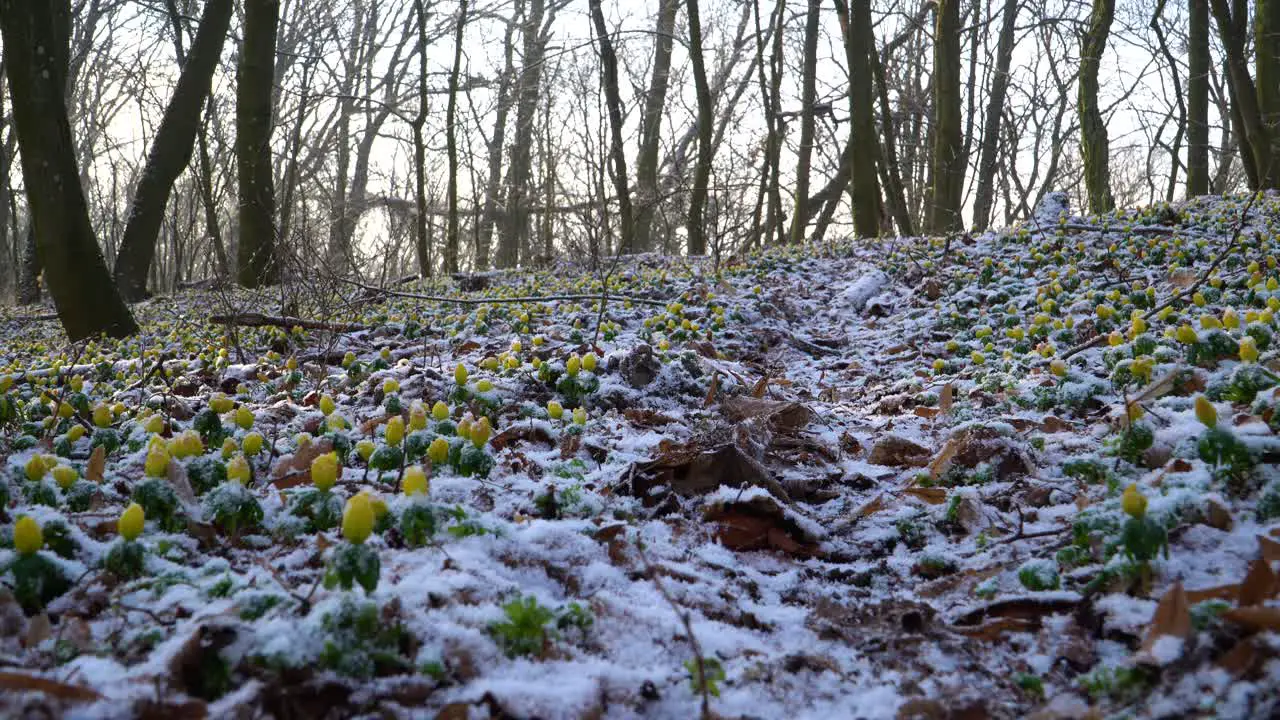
{"x":250,"y":319}
{"x":503,"y":300}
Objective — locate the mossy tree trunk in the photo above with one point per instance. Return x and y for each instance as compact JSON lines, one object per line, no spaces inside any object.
{"x":1094,"y":145}
{"x":256,"y":260}
{"x":1252,"y":134}
{"x":655,"y":101}
{"x":171,"y":150}
{"x":702,"y":173}
{"x":36,"y":52}
{"x":1266,"y":43}
{"x":451,"y":141}
{"x":947,"y":172}
{"x":1198,"y":98}
{"x":864,"y":185}
{"x":984,"y":195}
{"x":808,"y":120}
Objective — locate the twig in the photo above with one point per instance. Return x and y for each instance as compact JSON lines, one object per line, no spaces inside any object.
{"x":688,"y":630}
{"x":503,"y":300}
{"x":252,"y":319}
{"x":1190,"y":290}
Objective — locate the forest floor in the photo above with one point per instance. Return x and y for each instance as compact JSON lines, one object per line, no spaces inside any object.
{"x":1020,"y":474}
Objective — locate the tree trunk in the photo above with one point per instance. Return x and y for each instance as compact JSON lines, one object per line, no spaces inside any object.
{"x":519,"y":174}
{"x":422,"y":245}
{"x":808,"y":120}
{"x":613,"y":103}
{"x":496,"y":147}
{"x":1266,"y":28}
{"x":655,"y":102}
{"x":855,"y":24}
{"x":1198,"y":98}
{"x":29,"y":270}
{"x":1252,"y":133}
{"x":948,"y":136}
{"x":1094,"y":147}
{"x":256,"y":261}
{"x":451,"y":141}
{"x":984,"y":196}
{"x":702,"y":175}
{"x":36,"y":58}
{"x":170,"y":150}
{"x":897,"y":200}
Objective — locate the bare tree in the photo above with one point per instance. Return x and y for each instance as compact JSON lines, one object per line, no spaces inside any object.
{"x":257,"y":263}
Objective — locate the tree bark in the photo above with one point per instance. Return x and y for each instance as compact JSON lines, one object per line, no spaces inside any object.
{"x":422,"y":246}
{"x":655,"y":102}
{"x":1252,"y":133}
{"x":702,"y":174}
{"x":808,"y":120}
{"x":256,"y":260}
{"x":613,"y":103}
{"x":36,"y":59}
{"x":948,"y":135}
{"x":855,"y":24}
{"x":171,"y":150}
{"x":1198,"y":98}
{"x":1094,"y":145}
{"x":1266,"y":43}
{"x":984,"y":196}
{"x":519,"y":174}
{"x":451,"y":141}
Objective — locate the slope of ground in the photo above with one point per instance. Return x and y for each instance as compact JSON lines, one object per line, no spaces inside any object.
{"x":1026,"y":474}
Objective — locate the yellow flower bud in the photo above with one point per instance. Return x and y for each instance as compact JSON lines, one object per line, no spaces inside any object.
{"x":28,"y":538}
{"x":438,"y":451}
{"x":415,"y":481}
{"x":480,"y":431}
{"x":1248,"y":349}
{"x":440,"y":411}
{"x":1206,"y":413}
{"x":229,"y":448}
{"x":1187,"y":335}
{"x":157,"y":462}
{"x":460,"y":374}
{"x":390,"y":385}
{"x":365,"y":449}
{"x":589,"y":362}
{"x":220,"y":403}
{"x":580,"y":416}
{"x":573,"y":365}
{"x":358,"y":519}
{"x":417,"y":417}
{"x":327,"y":405}
{"x":325,"y":471}
{"x":131,"y":522}
{"x":1058,"y":367}
{"x":395,"y":430}
{"x":1133,"y":502}
{"x":238,"y":470}
{"x":244,"y":418}
{"x":101,"y":416}
{"x":252,"y":443}
{"x":65,"y":476}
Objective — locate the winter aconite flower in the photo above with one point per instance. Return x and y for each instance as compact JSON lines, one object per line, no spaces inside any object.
{"x":415,"y":481}
{"x":238,"y":470}
{"x":325,"y":471}
{"x":358,"y":519}
{"x":440,"y":411}
{"x":1187,"y":335}
{"x":35,"y":468}
{"x":554,"y":410}
{"x":580,"y":416}
{"x":244,"y":418}
{"x":1205,"y":412}
{"x":65,"y":476}
{"x":27,"y":536}
{"x":395,"y":430}
{"x":252,"y":443}
{"x":101,"y":416}
{"x":1133,"y":502}
{"x":589,"y":362}
{"x":438,"y":451}
{"x":1248,"y":349}
{"x":131,"y":522}
{"x":365,"y":449}
{"x":157,"y":462}
{"x":480,"y":432}
{"x":460,"y":374}
{"x":573,"y":365}
{"x":327,"y":405}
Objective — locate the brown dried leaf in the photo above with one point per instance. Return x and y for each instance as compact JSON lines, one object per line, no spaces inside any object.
{"x":931,"y":495}
{"x":1259,"y":584}
{"x":1239,"y":659}
{"x":96,"y":469}
{"x":300,"y":461}
{"x":1255,"y":618}
{"x":946,"y":398}
{"x":176,"y":474}
{"x":1172,"y":617}
{"x":1269,"y":548}
{"x":39,"y":629}
{"x":874,"y":506}
{"x":1221,"y":592}
{"x":60,"y":690}
{"x":762,"y":386}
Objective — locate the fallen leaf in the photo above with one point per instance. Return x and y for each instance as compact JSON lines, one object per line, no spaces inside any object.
{"x":1255,"y":618}
{"x":39,"y":629}
{"x":761,"y":387}
{"x":946,"y":398}
{"x":95,"y":470}
{"x":1269,"y":548}
{"x":1240,"y":658}
{"x":931,"y":495}
{"x":1172,"y":617}
{"x":300,"y":461}
{"x":874,"y":506}
{"x":711,"y":391}
{"x":897,"y":451}
{"x":54,"y":688}
{"x":1259,"y":584}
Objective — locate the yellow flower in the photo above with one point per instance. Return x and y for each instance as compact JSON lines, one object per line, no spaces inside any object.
{"x":1058,"y":367}
{"x":440,"y":411}
{"x":490,"y":363}
{"x":157,"y":462}
{"x":1248,"y":349}
{"x":395,"y":430}
{"x":1133,"y":502}
{"x":1206,"y":413}
{"x":101,"y":416}
{"x":415,"y":481}
{"x":484,"y":386}
{"x":327,"y":405}
{"x":229,"y":448}
{"x":977,"y":357}
{"x":1210,"y":322}
{"x":418,"y":416}
{"x":1198,"y":299}
{"x":1187,"y":335}
{"x":1230,"y":319}
{"x":238,"y":470}
{"x":27,"y":536}
{"x":573,"y":365}
{"x":220,"y":403}
{"x":589,"y":362}
{"x":389,"y":386}
{"x":358,"y":519}
{"x":348,"y":359}
{"x":131,"y":522}
{"x":65,"y":476}
{"x":154,"y":424}
{"x":75,"y":433}
{"x":480,"y":431}
{"x":325,"y":471}
{"x":1115,"y":338}
{"x":580,"y":416}
{"x":252,"y":443}
{"x":460,"y":374}
{"x":438,"y":451}
{"x":365,"y":449}
{"x":244,"y":418}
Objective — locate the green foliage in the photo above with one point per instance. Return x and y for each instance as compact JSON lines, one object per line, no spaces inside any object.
{"x":353,"y":564}
{"x":206,"y":473}
{"x":707,"y":678}
{"x":233,"y":509}
{"x":1086,"y":470}
{"x":126,"y":559}
{"x":1143,"y":539}
{"x":1220,"y":448}
{"x":361,"y":643}
{"x":1039,"y":575}
{"x":386,"y":458}
{"x":160,"y":503}
{"x":37,"y":581}
{"x":1119,"y":684}
{"x":1132,"y":442}
{"x":525,"y":631}
{"x":209,"y":425}
{"x":321,"y":510}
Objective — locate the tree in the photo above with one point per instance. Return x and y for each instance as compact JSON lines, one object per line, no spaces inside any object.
{"x":519,"y":172}
{"x":808,"y":120}
{"x":256,"y":261}
{"x":613,"y":102}
{"x":655,"y":100}
{"x":170,"y":150}
{"x":1094,"y":149}
{"x":1198,"y":98}
{"x":1266,"y":33}
{"x":984,"y":196}
{"x":1252,"y":134}
{"x":948,"y":135}
{"x":702,"y":174}
{"x":36,"y":56}
{"x":855,"y":24}
{"x":451,"y":140}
